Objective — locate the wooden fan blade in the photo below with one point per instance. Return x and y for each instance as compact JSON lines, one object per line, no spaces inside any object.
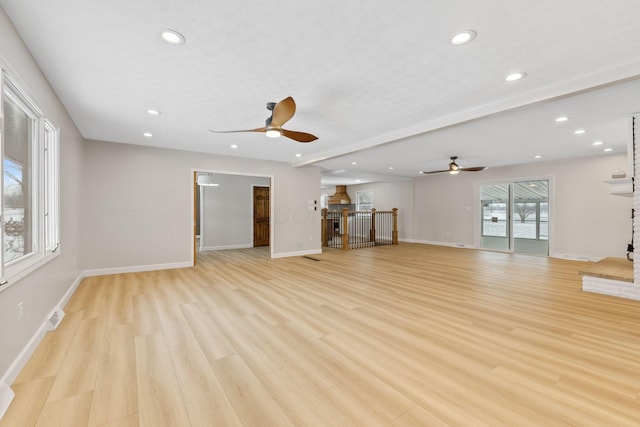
{"x":298,"y":136}
{"x":262,"y":129}
{"x":474,"y":169}
{"x":283,"y":111}
{"x":428,"y":173}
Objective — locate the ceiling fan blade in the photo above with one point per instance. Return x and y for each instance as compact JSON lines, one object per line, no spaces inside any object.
{"x":428,"y":173}
{"x":474,"y":169}
{"x":262,"y":129}
{"x":298,"y":136}
{"x":283,"y":111}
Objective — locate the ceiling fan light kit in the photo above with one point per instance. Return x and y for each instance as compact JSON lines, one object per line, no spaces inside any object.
{"x":454,"y":168}
{"x":281,"y":113}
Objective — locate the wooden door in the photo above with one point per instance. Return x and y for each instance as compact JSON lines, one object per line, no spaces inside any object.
{"x":260,"y":216}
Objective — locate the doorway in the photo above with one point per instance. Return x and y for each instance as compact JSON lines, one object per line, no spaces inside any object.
{"x":515,"y":216}
{"x":223,"y":211}
{"x":261,"y":217}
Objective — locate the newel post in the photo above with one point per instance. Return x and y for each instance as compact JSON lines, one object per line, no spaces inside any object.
{"x":372,"y":231}
{"x":325,"y":228}
{"x":394,"y":235}
{"x":345,"y":229}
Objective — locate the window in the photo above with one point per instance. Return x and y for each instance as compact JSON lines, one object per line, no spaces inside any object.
{"x":324,"y":201}
{"x":29,"y":200}
{"x":364,"y":200}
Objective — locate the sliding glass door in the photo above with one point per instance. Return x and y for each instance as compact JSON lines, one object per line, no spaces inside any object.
{"x":495,"y":226}
{"x":515,"y":217}
{"x":531,"y":217}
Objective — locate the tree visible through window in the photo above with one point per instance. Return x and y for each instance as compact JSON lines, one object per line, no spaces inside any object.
{"x":16,"y":208}
{"x":16,"y":241}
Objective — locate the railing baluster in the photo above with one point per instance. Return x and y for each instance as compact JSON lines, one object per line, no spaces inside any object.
{"x":359,"y":229}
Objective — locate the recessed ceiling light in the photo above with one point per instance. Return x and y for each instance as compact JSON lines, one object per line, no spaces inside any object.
{"x":538,"y":156}
{"x":357,"y":180}
{"x":532,"y":185}
{"x":148,"y":134}
{"x":172,"y":37}
{"x":234,"y":146}
{"x":515,"y":76}
{"x":562,"y":119}
{"x":596,"y":143}
{"x":354,"y":163}
{"x":298,"y":155}
{"x":463,"y":37}
{"x":606,"y":150}
{"x":579,"y":131}
{"x":390,"y":168}
{"x":153,"y":112}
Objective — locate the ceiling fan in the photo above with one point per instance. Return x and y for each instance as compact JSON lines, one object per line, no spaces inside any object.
{"x":454,"y":168}
{"x":281,"y":113}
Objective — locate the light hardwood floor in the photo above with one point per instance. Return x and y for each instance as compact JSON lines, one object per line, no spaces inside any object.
{"x":390,"y":336}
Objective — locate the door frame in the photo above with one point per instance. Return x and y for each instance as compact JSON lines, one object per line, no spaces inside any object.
{"x":477,"y":225}
{"x":192,"y":224}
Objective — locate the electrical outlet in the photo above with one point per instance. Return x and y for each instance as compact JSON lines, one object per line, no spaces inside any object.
{"x":20,"y":311}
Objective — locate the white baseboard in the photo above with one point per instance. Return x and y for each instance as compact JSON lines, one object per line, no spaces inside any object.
{"x":299,"y":253}
{"x":136,"y":268}
{"x":6,"y":396}
{"x":225,"y":247}
{"x":574,"y":257}
{"x":449,"y":244}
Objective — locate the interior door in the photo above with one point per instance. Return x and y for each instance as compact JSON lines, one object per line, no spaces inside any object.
{"x":260,"y":216}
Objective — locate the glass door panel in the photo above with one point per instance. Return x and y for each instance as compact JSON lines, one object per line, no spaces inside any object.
{"x":495,"y":225}
{"x":530,"y":222}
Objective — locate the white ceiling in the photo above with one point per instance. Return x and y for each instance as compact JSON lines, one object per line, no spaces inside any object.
{"x":378,"y":82}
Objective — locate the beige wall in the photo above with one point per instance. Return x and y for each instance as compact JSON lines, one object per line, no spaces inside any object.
{"x":587,"y":220}
{"x":227,"y":220}
{"x":138,"y":204}
{"x":42,"y":290}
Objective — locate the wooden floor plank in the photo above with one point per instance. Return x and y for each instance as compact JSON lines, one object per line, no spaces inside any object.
{"x":26,"y":408}
{"x":79,"y":369}
{"x":116,"y":391}
{"x":252,"y":402}
{"x":52,"y":350}
{"x":392,"y":336}
{"x":160,"y":401}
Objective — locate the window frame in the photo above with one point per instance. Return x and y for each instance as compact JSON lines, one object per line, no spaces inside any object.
{"x":358,"y":204}
{"x":45,"y":182}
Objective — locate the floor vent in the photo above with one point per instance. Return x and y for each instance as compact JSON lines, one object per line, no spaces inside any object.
{"x":311,"y":258}
{"x":54,"y":320}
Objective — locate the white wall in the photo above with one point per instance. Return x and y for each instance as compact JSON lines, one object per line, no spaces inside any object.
{"x":227,"y":220}
{"x":138,"y":204}
{"x":43,"y":289}
{"x":587,"y":220}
